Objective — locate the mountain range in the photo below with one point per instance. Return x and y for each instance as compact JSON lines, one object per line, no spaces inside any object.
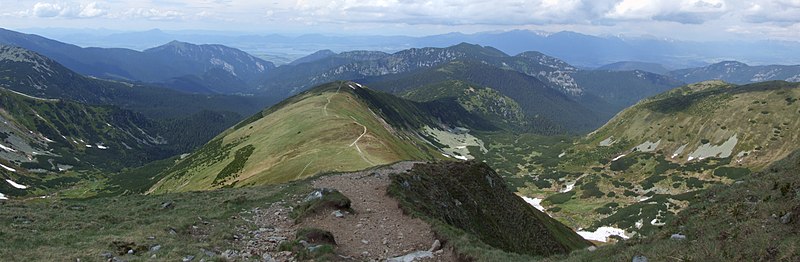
{"x":462,"y":152}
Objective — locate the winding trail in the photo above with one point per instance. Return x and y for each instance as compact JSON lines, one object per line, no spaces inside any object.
{"x":325,"y":108}
{"x":304,"y":168}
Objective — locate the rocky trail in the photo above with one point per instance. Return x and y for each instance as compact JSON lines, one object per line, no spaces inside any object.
{"x":376,"y":230}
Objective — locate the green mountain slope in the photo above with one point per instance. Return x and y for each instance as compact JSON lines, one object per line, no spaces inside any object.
{"x":546,"y":108}
{"x":649,"y":162}
{"x":469,"y":204}
{"x":336,"y":127}
{"x":42,"y":141}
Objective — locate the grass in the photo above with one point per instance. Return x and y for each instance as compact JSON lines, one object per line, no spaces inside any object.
{"x":470,"y":206}
{"x":295,"y":140}
{"x":738,"y":222}
{"x":69,"y":229}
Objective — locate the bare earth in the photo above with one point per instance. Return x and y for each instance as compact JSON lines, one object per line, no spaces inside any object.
{"x":377,"y":231}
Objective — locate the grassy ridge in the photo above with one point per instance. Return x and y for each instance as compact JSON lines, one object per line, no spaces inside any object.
{"x":470,"y":206}
{"x":315,"y":131}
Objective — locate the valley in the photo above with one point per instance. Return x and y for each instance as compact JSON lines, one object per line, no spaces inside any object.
{"x":203,"y":152}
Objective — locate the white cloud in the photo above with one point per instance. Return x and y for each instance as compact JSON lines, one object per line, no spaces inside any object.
{"x":67,"y":10}
{"x":152,"y":14}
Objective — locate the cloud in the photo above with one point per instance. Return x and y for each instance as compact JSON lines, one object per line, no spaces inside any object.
{"x":151,"y":14}
{"x":780,"y":12}
{"x":67,"y":10}
{"x":683,"y":11}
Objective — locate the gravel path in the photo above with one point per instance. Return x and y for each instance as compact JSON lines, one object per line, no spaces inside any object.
{"x":377,"y":231}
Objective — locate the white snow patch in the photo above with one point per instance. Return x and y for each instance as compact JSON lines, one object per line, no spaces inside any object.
{"x":562,"y":154}
{"x":102,"y":147}
{"x":16,"y":185}
{"x":351,"y":86}
{"x":461,"y":157}
{"x":7,"y":148}
{"x":655,"y":222}
{"x":359,"y":85}
{"x":690,"y":158}
{"x":644,"y":199}
{"x":608,"y":142}
{"x":679,"y":151}
{"x":8,"y":168}
{"x":568,"y":188}
{"x":618,"y":157}
{"x":446,"y":155}
{"x":721,"y":151}
{"x":648,"y":146}
{"x":3,"y":197}
{"x":88,"y":146}
{"x":535,"y":202}
{"x":639,"y":224}
{"x":602,"y":234}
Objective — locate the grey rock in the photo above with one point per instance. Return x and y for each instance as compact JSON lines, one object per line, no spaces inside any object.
{"x":208,"y":253}
{"x":639,"y":259}
{"x":787,"y":218}
{"x":677,"y":237}
{"x":187,"y":258}
{"x":116,"y":259}
{"x":130,"y":251}
{"x":276,"y":239}
{"x":364,"y":241}
{"x":266,"y":257}
{"x":591,"y":248}
{"x":106,"y":255}
{"x":167,"y":205}
{"x":435,"y":246}
{"x":411,"y":256}
{"x":229,"y":254}
{"x":155,"y":248}
{"x":338,"y":214}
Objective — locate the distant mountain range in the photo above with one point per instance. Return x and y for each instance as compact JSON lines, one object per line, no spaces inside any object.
{"x":739,"y":73}
{"x":585,"y":51}
{"x":159,"y":64}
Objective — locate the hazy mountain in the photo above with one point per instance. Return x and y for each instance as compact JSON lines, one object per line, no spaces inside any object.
{"x":634,"y":65}
{"x":739,"y":73}
{"x":158,"y":64}
{"x":581,"y":50}
{"x":624,"y":88}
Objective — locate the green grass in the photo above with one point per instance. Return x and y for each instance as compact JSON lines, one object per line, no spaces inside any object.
{"x":67,"y":229}
{"x":301,"y":137}
{"x":469,"y":205}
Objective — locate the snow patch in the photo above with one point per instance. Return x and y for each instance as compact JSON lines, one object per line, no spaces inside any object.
{"x":639,"y":224}
{"x":100,"y":146}
{"x":648,"y":146}
{"x":8,"y":168}
{"x":562,"y":154}
{"x":602,"y":234}
{"x":721,"y":151}
{"x":7,"y":148}
{"x":535,"y":202}
{"x":618,"y":157}
{"x":461,"y":157}
{"x":3,"y":197}
{"x":644,"y":199}
{"x":88,"y":146}
{"x":608,"y":141}
{"x":568,"y":188}
{"x":16,"y":185}
{"x":679,"y":151}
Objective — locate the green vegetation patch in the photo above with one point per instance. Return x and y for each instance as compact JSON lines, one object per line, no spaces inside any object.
{"x":559,"y":198}
{"x":469,"y":204}
{"x":734,"y":173}
{"x":235,"y":166}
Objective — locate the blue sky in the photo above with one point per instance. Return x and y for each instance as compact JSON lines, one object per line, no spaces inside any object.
{"x":679,"y":19}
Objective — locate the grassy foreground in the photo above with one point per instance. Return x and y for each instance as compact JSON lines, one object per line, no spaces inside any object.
{"x":68,"y":229}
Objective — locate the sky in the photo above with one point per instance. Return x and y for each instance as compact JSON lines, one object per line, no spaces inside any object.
{"x":701,"y":20}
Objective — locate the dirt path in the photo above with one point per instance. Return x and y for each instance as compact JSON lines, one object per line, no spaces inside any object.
{"x":378,"y":230}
